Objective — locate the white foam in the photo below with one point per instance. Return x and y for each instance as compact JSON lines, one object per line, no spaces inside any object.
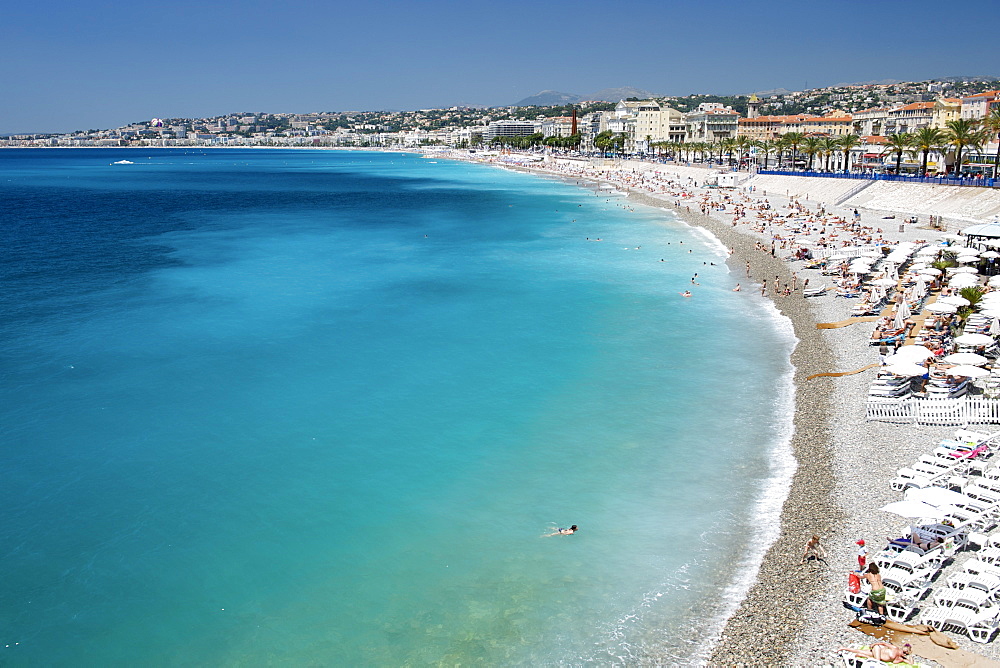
{"x":767,"y":509}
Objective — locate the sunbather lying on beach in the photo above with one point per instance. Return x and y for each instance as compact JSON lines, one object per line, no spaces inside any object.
{"x":883,"y":651}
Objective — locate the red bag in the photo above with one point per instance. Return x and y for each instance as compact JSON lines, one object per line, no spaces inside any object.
{"x":854,"y":583}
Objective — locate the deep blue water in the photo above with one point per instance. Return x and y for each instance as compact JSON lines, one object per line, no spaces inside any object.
{"x":318,"y":408}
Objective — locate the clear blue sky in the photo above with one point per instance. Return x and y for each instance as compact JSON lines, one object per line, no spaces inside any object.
{"x":71,"y":65}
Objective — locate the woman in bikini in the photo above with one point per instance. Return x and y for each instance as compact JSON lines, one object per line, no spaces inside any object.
{"x":883,"y":651}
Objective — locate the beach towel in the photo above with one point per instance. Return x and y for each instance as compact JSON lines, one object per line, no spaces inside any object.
{"x":923,"y":646}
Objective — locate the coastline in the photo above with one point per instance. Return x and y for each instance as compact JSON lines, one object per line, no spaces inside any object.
{"x":791,"y":614}
{"x":809,"y":506}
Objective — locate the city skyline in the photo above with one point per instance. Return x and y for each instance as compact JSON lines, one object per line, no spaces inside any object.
{"x":79,"y":67}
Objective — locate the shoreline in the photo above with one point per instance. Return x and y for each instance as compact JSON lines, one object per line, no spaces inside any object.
{"x":809,"y":505}
{"x":791,"y":614}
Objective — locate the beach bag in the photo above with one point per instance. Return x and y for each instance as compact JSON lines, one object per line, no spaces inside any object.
{"x":871,"y":617}
{"x":853,"y":583}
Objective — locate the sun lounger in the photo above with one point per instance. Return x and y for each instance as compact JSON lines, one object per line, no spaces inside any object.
{"x":979,"y":628}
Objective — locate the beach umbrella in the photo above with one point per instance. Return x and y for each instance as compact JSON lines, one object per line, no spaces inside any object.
{"x":963,"y":281}
{"x":904,"y":309}
{"x":903,"y":368}
{"x":899,"y":320}
{"x":935,"y":496}
{"x":912,"y":353}
{"x":913,"y":509}
{"x":929,"y":271}
{"x":993,"y":282}
{"x":941,"y":307}
{"x":956,"y":300}
{"x":990,"y":255}
{"x":966,"y":358}
{"x":967,"y":371}
{"x":963,"y":270}
{"x":974,"y":340}
{"x":884,"y":282}
{"x":994,"y":327}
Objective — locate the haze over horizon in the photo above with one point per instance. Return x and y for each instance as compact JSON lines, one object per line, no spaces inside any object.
{"x":74,"y":66}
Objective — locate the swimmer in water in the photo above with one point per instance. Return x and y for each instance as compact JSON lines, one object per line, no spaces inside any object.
{"x":686,"y":293}
{"x":563,"y":532}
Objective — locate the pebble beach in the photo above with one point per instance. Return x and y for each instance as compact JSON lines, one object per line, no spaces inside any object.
{"x":794,"y":615}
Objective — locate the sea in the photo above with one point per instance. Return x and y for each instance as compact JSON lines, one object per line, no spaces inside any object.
{"x":322,"y":408}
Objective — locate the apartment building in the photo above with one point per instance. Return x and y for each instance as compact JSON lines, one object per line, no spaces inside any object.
{"x":711,"y":122}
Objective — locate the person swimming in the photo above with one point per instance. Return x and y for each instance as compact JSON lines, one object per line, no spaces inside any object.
{"x":563,"y":532}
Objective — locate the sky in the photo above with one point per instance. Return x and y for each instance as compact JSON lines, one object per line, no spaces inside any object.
{"x":79,"y":64}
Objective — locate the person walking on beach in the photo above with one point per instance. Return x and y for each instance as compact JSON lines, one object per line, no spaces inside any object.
{"x":814,"y":550}
{"x":763,"y":288}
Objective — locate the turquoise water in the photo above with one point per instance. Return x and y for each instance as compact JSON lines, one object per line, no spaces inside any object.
{"x":319,"y":408}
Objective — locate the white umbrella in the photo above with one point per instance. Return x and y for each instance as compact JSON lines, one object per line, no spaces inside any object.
{"x":884,"y":282}
{"x":966,"y":358}
{"x":990,"y":255}
{"x":913,"y":510}
{"x":899,"y":320}
{"x":955,"y":300}
{"x":904,"y":309}
{"x":967,"y":371}
{"x":963,"y":270}
{"x":952,"y":237}
{"x":941,"y":307}
{"x":930,"y":271}
{"x":935,"y":496}
{"x":995,"y":327}
{"x":963,"y":281}
{"x":994,"y":281}
{"x":912,"y":353}
{"x":904,"y":368}
{"x":974,"y":340}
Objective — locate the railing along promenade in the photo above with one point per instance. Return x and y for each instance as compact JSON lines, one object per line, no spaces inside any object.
{"x":936,"y":180}
{"x":959,"y":411}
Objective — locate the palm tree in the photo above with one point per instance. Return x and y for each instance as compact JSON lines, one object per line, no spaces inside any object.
{"x":847,"y":144}
{"x":767,"y":146}
{"x":792,"y":140}
{"x":964,"y":132}
{"x":811,"y":146}
{"x":742,"y":144}
{"x":899,"y":143}
{"x":727,"y":145}
{"x":926,"y":140}
{"x":828,"y":146}
{"x":992,"y":126}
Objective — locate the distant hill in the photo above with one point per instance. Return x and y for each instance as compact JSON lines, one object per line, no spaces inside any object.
{"x":548,"y":98}
{"x":773,"y":91}
{"x":616,"y":94}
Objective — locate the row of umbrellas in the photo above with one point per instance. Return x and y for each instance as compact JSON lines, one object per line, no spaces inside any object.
{"x":906,"y":361}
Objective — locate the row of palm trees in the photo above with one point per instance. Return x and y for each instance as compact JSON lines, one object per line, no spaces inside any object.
{"x":959,"y":136}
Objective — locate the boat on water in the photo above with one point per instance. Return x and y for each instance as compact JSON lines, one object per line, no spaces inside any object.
{"x":123,"y":162}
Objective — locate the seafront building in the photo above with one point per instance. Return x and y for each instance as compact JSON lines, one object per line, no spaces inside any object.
{"x":711,"y":122}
